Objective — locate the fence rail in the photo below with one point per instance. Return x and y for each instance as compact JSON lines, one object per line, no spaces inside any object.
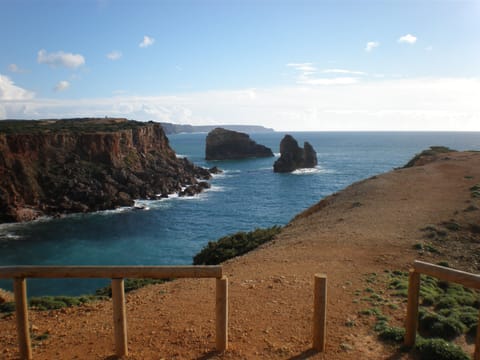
{"x":443,"y":273}
{"x":19,"y":274}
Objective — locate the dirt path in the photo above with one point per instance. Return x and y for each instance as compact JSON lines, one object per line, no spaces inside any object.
{"x":368,"y":228}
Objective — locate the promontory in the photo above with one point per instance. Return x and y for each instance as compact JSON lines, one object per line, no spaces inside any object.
{"x":53,"y":167}
{"x":222,"y":144}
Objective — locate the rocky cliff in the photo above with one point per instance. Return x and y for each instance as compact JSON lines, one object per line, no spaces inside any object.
{"x":53,"y":167}
{"x":294,"y":157}
{"x":222,"y":144}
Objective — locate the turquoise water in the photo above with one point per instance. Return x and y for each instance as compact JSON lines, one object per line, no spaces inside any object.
{"x":247,"y":195}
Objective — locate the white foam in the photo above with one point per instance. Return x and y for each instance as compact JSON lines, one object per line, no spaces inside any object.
{"x":310,"y":171}
{"x":276,"y":154}
{"x":216,"y":188}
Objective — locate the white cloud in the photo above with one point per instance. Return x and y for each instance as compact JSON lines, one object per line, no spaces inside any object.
{"x":14,"y":68}
{"x":371,"y":45}
{"x":146,"y":42}
{"x":304,"y":67}
{"x":62,"y":86}
{"x":60,"y":58}
{"x":343,"y":71}
{"x":329,"y":81}
{"x":407,"y":39}
{"x":308,"y":70}
{"x":10,"y":91}
{"x":448,"y":104}
{"x":114,"y":55}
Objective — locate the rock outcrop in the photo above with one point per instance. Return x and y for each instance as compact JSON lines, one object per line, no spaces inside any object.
{"x":294,"y":157}
{"x":222,"y":144}
{"x":54,"y":167}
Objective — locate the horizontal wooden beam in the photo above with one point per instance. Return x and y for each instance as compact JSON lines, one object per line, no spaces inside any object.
{"x":443,"y":273}
{"x":110,"y":272}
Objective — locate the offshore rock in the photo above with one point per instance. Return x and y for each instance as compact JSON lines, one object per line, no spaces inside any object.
{"x":222,"y":144}
{"x":54,"y":167}
{"x":294,"y":157}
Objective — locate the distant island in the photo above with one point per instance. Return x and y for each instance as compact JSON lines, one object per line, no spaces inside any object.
{"x":170,"y":128}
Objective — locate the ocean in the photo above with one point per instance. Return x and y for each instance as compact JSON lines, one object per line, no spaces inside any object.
{"x":247,"y":195}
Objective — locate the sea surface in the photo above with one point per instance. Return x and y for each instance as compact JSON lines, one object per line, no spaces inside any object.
{"x":247,"y":195}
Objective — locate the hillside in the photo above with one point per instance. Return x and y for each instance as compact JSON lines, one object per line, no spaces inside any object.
{"x":354,"y":236}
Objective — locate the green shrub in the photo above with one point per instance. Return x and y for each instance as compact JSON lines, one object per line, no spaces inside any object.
{"x":216,"y":252}
{"x":58,"y":302}
{"x":7,"y":307}
{"x":130,"y":285}
{"x":438,"y":349}
{"x":392,"y":334}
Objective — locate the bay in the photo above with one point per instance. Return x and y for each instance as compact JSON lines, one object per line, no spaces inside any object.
{"x":247,"y":195}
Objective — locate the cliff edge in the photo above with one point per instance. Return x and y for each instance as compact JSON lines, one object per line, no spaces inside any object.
{"x":52,"y":167}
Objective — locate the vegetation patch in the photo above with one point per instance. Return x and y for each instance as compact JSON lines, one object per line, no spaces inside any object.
{"x":58,"y":302}
{"x":439,"y":349}
{"x":130,"y":285}
{"x":447,"y":311}
{"x":216,"y":252}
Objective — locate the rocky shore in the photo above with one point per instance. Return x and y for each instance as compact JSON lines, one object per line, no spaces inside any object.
{"x":55,"y":167}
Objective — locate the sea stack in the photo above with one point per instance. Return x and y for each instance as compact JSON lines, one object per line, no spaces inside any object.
{"x":294,"y":157}
{"x":222,"y":144}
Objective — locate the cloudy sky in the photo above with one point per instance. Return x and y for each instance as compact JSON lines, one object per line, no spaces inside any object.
{"x":286,"y":64}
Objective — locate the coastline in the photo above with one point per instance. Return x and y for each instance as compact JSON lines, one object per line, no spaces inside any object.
{"x":368,"y":228}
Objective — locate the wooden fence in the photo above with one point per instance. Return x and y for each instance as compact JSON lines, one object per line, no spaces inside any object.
{"x":19,"y":274}
{"x":443,"y":273}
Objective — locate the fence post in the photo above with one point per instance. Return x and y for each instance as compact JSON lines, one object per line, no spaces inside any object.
{"x":221,"y":310}
{"x":476,"y":355}
{"x":119,"y":317}
{"x":21,"y":309}
{"x":411,"y":322}
{"x":320,"y":312}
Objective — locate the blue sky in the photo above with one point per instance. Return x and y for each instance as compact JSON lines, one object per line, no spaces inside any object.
{"x":290,"y":65}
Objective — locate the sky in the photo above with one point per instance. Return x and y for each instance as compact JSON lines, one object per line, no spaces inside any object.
{"x":324,"y":65}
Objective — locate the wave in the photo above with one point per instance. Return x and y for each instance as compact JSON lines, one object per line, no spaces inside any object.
{"x":310,"y":171}
{"x":276,"y":154}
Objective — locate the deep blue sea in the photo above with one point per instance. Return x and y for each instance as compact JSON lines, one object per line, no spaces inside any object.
{"x":246,"y":196}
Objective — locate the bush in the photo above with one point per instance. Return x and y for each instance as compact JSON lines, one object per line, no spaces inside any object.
{"x":234,"y":245}
{"x":392,"y":334}
{"x":438,"y":349}
{"x":130,"y":285}
{"x":58,"y":302}
{"x":7,"y":307}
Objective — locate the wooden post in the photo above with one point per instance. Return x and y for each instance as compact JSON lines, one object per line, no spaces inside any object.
{"x":119,"y":317}
{"x":221,"y":310}
{"x":320,"y":312}
{"x":411,"y":322}
{"x":21,"y":309}
{"x":476,"y":355}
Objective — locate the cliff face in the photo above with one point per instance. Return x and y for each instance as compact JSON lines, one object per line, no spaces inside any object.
{"x":62,"y":166}
{"x":222,"y":144}
{"x":294,"y":157}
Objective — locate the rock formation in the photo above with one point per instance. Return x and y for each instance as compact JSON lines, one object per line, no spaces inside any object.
{"x":222,"y":144}
{"x":294,"y":157}
{"x":53,"y":167}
